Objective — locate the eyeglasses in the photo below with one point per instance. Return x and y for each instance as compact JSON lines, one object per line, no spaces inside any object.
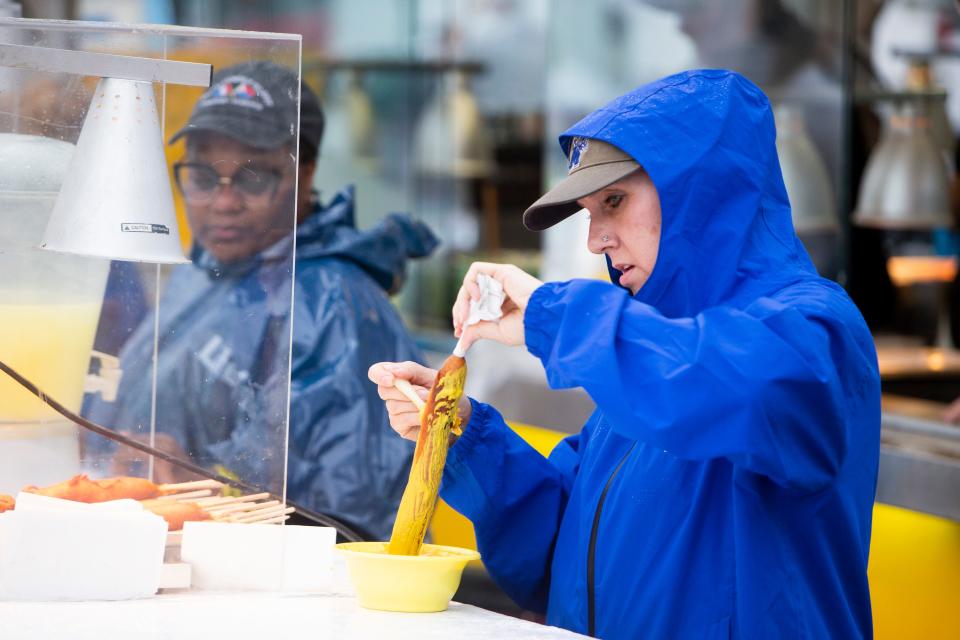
{"x":199,"y":183}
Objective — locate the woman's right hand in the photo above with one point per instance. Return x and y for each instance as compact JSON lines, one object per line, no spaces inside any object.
{"x":404,"y":415}
{"x":518,"y":286}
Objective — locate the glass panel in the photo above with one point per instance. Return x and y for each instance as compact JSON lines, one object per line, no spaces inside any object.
{"x":434,"y":108}
{"x":202,"y":350}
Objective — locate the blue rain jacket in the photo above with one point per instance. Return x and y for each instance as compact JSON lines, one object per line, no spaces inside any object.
{"x":724,"y":485}
{"x":222,"y":366}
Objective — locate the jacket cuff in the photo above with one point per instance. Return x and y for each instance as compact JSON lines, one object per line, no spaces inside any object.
{"x":473,"y":432}
{"x":540,"y":323}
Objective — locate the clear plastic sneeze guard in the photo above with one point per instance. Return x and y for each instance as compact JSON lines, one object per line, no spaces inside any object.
{"x":193,"y":358}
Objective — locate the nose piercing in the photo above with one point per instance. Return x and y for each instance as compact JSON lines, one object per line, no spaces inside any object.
{"x":604,"y":238}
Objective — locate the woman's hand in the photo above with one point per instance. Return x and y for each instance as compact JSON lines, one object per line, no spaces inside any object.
{"x":518,"y":286}
{"x":404,"y":415}
{"x":128,"y":461}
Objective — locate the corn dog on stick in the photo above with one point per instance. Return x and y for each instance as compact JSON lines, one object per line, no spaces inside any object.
{"x":438,"y":420}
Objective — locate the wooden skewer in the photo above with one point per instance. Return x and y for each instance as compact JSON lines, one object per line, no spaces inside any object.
{"x":240,"y":510}
{"x":404,"y":387}
{"x":243,"y":506}
{"x":214,"y":501}
{"x":217,"y":501}
{"x":237,"y":506}
{"x":276,"y":520}
{"x":260,"y":514}
{"x":189,"y":486}
{"x":260,"y":510}
{"x":189,"y":495}
{"x":273,"y":520}
{"x":268,"y":514}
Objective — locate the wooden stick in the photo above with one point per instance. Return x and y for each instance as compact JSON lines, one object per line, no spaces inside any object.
{"x":243,"y":506}
{"x":189,"y":486}
{"x":232,"y":515}
{"x":203,"y":502}
{"x":404,"y":387}
{"x":234,"y":506}
{"x":189,"y":495}
{"x":214,"y":501}
{"x":260,"y":511}
{"x":276,"y":520}
{"x":264,"y":514}
{"x":261,"y":514}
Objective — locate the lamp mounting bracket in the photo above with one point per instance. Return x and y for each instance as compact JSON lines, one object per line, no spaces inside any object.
{"x":105,"y":65}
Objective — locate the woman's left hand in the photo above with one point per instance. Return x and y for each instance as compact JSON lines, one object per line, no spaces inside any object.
{"x":518,"y":286}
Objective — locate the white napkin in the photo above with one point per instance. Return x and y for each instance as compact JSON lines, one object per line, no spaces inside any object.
{"x":486,"y":309}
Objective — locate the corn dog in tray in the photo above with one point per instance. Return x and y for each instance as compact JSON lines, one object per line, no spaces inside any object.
{"x":175,"y":503}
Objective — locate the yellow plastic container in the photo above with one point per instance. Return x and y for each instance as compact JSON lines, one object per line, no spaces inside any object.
{"x":414,"y":584}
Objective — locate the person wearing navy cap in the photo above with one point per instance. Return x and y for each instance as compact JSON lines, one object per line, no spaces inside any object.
{"x":724,"y":486}
{"x":224,"y":358}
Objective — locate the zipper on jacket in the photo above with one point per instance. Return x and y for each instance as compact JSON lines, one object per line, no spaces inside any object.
{"x":591,"y":551}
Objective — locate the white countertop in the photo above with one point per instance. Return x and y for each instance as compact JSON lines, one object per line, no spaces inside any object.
{"x":254,"y":615}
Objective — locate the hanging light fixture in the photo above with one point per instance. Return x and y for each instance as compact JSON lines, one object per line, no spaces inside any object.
{"x":932,"y":102}
{"x":905,"y":184}
{"x":804,"y":174}
{"x":472,"y":153}
{"x":116,"y":201}
{"x":906,"y":191}
{"x":451,"y":138}
{"x":362,"y":120}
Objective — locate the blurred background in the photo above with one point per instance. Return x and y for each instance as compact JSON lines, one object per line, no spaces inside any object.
{"x":450,"y":110}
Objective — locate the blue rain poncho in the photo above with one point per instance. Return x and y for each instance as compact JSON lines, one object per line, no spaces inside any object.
{"x":724,"y":486}
{"x":222,"y":365}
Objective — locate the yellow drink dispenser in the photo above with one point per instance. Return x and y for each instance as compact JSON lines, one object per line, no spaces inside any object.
{"x":49,"y":308}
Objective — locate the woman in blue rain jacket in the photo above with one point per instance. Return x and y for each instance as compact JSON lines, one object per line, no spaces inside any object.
{"x":724,"y":485}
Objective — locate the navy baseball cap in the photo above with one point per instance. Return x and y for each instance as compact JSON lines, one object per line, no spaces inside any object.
{"x":255,"y":103}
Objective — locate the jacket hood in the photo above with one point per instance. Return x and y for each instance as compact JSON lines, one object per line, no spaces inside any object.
{"x":382,"y":251}
{"x":330,"y":232}
{"x":707,"y":140}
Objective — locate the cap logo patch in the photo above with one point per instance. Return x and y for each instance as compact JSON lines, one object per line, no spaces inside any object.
{"x":241,"y":91}
{"x":577,"y":148}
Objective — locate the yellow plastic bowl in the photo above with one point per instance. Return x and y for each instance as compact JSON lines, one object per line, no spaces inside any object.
{"x":416,"y":584}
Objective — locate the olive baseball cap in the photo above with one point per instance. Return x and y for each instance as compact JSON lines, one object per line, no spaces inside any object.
{"x":592,"y":165}
{"x":255,"y":103}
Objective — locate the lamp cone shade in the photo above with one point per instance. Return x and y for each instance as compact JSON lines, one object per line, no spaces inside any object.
{"x":362,"y":119}
{"x":905,"y":184}
{"x":451,"y":138}
{"x":116,"y":201}
{"x":804,"y":174}
{"x":472,"y":156}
